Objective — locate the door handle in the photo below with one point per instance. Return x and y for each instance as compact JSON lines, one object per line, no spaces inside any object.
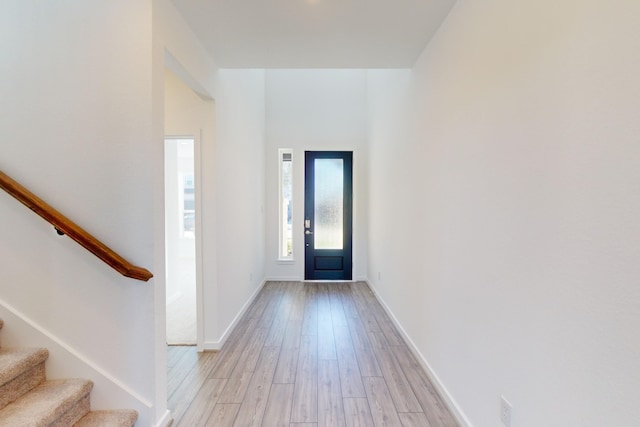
{"x":307,"y":232}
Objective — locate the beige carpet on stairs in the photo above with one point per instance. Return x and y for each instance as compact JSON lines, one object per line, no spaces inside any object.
{"x":28,"y":399}
{"x":108,"y":418}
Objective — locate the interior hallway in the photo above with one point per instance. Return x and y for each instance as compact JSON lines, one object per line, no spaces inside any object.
{"x":313,"y":354}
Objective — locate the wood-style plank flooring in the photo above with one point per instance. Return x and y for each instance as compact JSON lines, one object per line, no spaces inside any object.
{"x":306,"y":354}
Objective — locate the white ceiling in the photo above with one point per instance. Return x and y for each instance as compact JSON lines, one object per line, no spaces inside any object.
{"x":314,"y":33}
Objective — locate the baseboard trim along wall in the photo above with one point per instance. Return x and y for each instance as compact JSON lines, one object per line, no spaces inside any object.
{"x":442,"y":390}
{"x":284,"y":279}
{"x":217,"y":345}
{"x":301,"y":279}
{"x":166,"y":420}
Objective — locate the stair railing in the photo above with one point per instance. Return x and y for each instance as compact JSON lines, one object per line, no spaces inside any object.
{"x":64,"y":225}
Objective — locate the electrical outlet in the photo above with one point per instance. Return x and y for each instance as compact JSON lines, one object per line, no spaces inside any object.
{"x":379,"y":276}
{"x":505,"y":411}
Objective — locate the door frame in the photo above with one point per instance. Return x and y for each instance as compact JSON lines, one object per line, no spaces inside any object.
{"x":349,"y":213}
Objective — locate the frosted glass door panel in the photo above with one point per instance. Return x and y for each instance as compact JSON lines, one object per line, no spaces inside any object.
{"x":329,"y":198}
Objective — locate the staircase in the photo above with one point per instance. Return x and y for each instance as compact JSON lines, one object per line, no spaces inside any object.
{"x":28,"y":399}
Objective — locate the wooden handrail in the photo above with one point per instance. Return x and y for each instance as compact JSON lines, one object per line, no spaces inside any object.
{"x":64,"y":225}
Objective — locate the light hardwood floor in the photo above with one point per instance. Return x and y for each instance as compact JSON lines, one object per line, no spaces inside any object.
{"x":306,"y":354}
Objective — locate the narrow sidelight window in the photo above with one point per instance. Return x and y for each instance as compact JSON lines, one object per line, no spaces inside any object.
{"x":285,"y":169}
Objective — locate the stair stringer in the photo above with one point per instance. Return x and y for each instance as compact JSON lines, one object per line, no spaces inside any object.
{"x":65,"y":362}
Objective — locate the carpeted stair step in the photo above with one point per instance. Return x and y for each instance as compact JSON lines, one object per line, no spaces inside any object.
{"x":21,"y":369}
{"x":55,"y":403}
{"x":121,"y":418}
{"x":28,"y":400}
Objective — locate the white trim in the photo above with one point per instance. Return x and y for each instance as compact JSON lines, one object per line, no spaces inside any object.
{"x":211,"y":346}
{"x":355,"y":190}
{"x":284,"y":279}
{"x":179,"y":70}
{"x":449,"y":401}
{"x":76,"y":354}
{"x":165,"y":420}
{"x":197,"y":165}
{"x":217,"y":345}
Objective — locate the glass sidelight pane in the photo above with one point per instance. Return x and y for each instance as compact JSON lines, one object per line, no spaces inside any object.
{"x":286,"y":204}
{"x":329,"y":191}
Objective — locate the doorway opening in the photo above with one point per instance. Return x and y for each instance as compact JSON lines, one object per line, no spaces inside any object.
{"x":180,"y":232}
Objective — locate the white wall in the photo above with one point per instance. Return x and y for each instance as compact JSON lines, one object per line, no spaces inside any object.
{"x":176,"y":48}
{"x":75,"y":100}
{"x":83,"y":125}
{"x":239,"y":198}
{"x":513,"y":192}
{"x":314,"y":110}
{"x":232,"y":240}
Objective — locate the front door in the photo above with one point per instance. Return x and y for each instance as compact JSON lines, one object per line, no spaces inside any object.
{"x":328,"y":215}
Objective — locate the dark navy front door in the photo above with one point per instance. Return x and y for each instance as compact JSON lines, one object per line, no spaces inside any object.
{"x":328,"y":215}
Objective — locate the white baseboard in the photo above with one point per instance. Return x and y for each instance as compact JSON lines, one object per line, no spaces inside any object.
{"x":452,"y":405}
{"x":165,"y":420}
{"x":217,"y":345}
{"x":211,"y":346}
{"x":284,"y":279}
{"x":67,"y":362}
{"x":301,"y":279}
